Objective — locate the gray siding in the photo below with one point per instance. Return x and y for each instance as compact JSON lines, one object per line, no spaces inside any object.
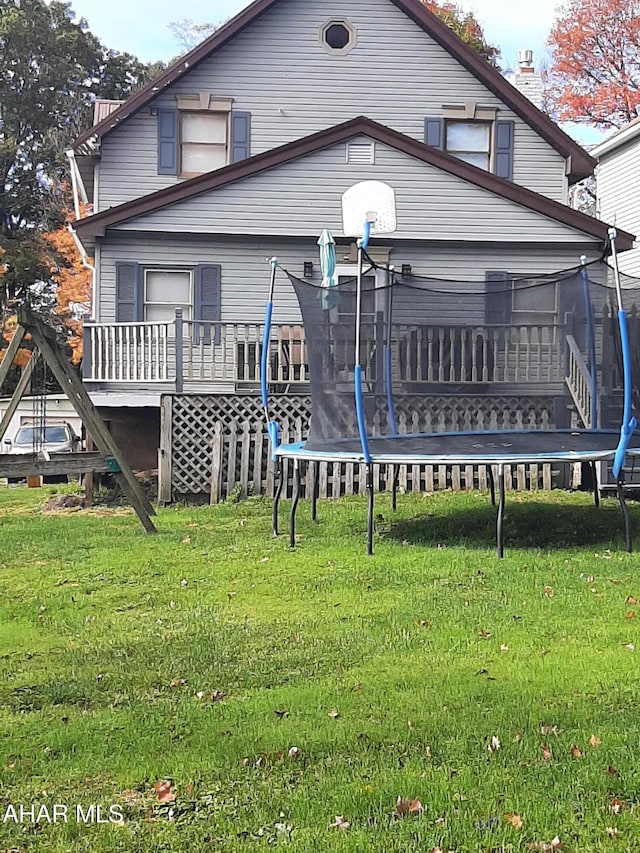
{"x":277,"y":69}
{"x":297,"y":199}
{"x":618,"y":190}
{"x":245,"y":273}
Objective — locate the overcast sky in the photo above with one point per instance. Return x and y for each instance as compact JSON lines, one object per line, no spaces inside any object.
{"x":141,"y":26}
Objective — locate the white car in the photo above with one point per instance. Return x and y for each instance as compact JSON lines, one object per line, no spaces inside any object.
{"x":57,"y":438}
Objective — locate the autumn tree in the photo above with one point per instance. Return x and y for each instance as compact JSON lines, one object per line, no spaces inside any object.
{"x":465,"y":25}
{"x":594,"y":77}
{"x":52,"y":69}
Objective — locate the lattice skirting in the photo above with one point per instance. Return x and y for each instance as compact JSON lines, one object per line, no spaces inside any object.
{"x":216,"y":445}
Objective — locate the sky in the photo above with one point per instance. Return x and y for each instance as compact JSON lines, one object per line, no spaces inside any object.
{"x":141,"y":27}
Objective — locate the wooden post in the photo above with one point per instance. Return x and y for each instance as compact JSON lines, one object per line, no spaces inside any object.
{"x":76,"y":392}
{"x":165,"y":452}
{"x":179,"y":355}
{"x":89,"y":478}
{"x":12,"y":349}
{"x":87,"y":352}
{"x":216,"y":465}
{"x":17,"y":394}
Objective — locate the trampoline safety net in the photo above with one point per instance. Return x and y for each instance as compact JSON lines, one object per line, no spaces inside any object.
{"x":552,"y":341}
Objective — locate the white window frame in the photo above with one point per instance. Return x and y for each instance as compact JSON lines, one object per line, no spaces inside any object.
{"x":187,"y":309}
{"x":488,"y":123}
{"x":545,"y":315}
{"x":203,"y":103}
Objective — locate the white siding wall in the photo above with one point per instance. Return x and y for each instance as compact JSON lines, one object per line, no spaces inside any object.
{"x":245,"y":272}
{"x":277,"y":69}
{"x":618,"y":196}
{"x":296,"y":198}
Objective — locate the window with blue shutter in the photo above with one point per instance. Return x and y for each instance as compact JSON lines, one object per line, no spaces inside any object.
{"x":129,"y":302}
{"x":207,"y":303}
{"x":167,"y":142}
{"x":503,"y":156}
{"x":434,"y":132}
{"x":240,"y":147}
{"x":499,"y":298}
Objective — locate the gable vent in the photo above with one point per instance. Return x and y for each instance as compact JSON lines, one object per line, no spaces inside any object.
{"x":361,"y":153}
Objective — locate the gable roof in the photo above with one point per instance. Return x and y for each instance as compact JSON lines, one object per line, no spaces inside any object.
{"x":97,"y":224}
{"x":579,"y":163}
{"x":626,"y":134}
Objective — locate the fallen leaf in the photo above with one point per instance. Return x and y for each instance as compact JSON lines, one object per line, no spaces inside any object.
{"x":612,"y":832}
{"x":594,"y":741}
{"x":334,"y":713}
{"x":218,"y":696}
{"x":405,"y":807}
{"x":178,"y":682}
{"x":423,"y":623}
{"x":281,"y":714}
{"x":611,"y":770}
{"x":616,"y":805}
{"x":549,"y":729}
{"x":575,"y":751}
{"x":186,"y":540}
{"x":485,"y":635}
{"x":546,"y":847}
{"x":630,"y":600}
{"x":356,"y":687}
{"x":513,"y":819}
{"x":294,"y":753}
{"x":504,"y":647}
{"x":630,"y":647}
{"x":163,"y":792}
{"x":340,"y":823}
{"x":546,"y":752}
{"x":548,"y":591}
{"x":631,"y":614}
{"x":517,"y":737}
{"x":494,"y":744}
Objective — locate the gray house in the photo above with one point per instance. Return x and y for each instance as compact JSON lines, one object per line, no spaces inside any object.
{"x":618,"y":184}
{"x":242,"y":150}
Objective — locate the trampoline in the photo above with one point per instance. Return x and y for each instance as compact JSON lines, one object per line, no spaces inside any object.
{"x":380,"y":344}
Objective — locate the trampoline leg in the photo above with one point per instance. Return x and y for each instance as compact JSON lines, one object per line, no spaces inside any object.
{"x":276,"y":496}
{"x":492,"y":485}
{"x":370,"y":510}
{"x":314,"y":491}
{"x":596,"y":489}
{"x":625,"y":515}
{"x":500,"y":521}
{"x":394,"y":488}
{"x":294,"y":503}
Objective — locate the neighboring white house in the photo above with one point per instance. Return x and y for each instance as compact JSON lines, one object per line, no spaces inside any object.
{"x":618,"y":186}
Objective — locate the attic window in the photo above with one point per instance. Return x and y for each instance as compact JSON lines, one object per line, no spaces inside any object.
{"x":337,"y":37}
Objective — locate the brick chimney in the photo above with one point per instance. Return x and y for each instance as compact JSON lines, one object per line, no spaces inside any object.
{"x":526,"y":79}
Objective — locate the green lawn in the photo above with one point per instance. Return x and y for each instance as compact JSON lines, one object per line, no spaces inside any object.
{"x":274,"y":690}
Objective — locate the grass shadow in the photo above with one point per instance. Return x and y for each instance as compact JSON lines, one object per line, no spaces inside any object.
{"x":536,"y":523}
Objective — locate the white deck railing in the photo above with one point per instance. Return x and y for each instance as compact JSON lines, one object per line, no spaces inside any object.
{"x":579,"y":382}
{"x":186,"y":351}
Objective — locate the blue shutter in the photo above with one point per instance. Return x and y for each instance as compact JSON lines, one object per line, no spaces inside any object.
{"x":434,"y":132}
{"x":167,"y":142}
{"x":240,"y":136}
{"x":499,"y":296}
{"x":129,"y":302}
{"x":207,"y":301}
{"x":503,"y":160}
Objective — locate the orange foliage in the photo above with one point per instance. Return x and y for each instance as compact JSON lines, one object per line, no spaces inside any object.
{"x":73,"y":295}
{"x":595,"y":73}
{"x":464,"y":24}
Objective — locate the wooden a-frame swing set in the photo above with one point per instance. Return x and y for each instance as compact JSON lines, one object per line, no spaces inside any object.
{"x":107,"y":458}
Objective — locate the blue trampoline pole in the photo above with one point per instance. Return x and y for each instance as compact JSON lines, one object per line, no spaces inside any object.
{"x":272,"y":426}
{"x":628,"y":421}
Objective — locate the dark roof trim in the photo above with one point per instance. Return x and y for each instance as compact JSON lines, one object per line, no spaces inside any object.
{"x":580,"y":164}
{"x":96,"y":225}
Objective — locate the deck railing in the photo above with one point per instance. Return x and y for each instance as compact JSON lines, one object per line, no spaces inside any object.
{"x":183,"y":352}
{"x":579,"y":382}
